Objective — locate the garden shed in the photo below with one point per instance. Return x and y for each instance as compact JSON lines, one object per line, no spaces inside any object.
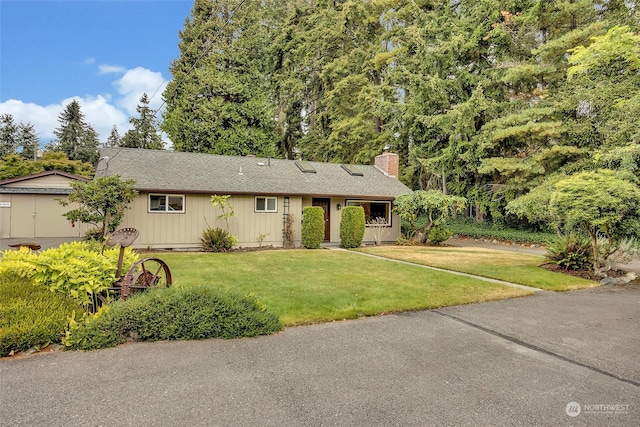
{"x":29,"y":208}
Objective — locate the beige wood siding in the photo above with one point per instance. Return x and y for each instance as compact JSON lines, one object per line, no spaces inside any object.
{"x":183,"y":230}
{"x":50,"y":181}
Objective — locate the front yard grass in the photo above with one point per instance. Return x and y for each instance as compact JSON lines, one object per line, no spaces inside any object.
{"x":512,"y":267}
{"x":312,"y":286}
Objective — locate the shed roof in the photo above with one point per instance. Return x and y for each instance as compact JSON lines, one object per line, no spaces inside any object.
{"x":168,"y":171}
{"x":39,"y":183}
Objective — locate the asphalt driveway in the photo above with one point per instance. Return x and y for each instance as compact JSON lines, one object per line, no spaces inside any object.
{"x":528,"y":361}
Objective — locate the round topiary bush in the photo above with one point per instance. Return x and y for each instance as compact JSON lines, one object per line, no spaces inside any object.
{"x":175,"y":313}
{"x":352,"y":226}
{"x":312,"y":227}
{"x":439,"y":234}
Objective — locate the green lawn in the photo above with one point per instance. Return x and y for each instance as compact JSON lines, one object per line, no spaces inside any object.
{"x":311,"y":286}
{"x":509,"y":266}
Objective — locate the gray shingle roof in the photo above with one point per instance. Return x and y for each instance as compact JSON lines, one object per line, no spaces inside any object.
{"x":168,"y":171}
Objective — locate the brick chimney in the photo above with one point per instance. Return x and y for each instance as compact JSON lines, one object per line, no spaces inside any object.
{"x":388,"y":163}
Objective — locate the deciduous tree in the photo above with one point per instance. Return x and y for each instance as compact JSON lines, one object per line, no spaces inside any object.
{"x":102,"y":202}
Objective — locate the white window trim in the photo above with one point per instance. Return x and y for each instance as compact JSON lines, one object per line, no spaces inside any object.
{"x":166,"y":196}
{"x":266,"y":204}
{"x":387,"y":202}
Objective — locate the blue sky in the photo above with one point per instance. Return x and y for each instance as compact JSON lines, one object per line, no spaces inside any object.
{"x":104,"y":53}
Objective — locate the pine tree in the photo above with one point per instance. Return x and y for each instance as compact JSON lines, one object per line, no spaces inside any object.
{"x":28,"y":140}
{"x":114,"y":138}
{"x":8,"y":135}
{"x":145,"y":130}
{"x":77,"y":139}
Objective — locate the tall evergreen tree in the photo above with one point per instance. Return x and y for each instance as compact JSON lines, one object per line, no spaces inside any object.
{"x":552,"y":119}
{"x":8,"y":135}
{"x":114,"y":138}
{"x":28,"y":140}
{"x":145,"y":129}
{"x":77,"y":139}
{"x":218,"y":100}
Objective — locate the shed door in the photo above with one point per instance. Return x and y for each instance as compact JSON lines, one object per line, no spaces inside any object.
{"x":40,"y":215}
{"x":324,"y":204}
{"x":23,"y":216}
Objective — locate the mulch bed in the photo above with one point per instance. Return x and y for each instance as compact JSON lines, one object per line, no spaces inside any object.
{"x":584,"y":274}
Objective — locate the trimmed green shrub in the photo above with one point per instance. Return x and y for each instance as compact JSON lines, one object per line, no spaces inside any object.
{"x":30,"y":315}
{"x":312,"y":227}
{"x":571,"y":252}
{"x":217,"y":240}
{"x":352,"y":226}
{"x":438,"y":234}
{"x":175,"y":313}
{"x":496,"y":230}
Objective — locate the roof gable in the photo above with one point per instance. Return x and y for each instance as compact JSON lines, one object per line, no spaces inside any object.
{"x":161,"y":170}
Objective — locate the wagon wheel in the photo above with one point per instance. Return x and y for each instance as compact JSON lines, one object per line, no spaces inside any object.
{"x":146,"y":273}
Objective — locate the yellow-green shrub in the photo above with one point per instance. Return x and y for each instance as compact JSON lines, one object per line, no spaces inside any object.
{"x":76,"y":269}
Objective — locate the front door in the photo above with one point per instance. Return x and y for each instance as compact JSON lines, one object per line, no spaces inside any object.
{"x":325,"y":204}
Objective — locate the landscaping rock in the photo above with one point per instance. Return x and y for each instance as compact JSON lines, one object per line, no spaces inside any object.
{"x":609,"y":281}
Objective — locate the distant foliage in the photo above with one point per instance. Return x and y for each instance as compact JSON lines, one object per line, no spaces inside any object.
{"x":312,"y":227}
{"x":13,"y":166}
{"x":352,"y":227}
{"x":175,"y":313}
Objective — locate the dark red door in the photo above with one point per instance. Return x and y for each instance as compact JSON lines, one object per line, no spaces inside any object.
{"x":325,"y":204}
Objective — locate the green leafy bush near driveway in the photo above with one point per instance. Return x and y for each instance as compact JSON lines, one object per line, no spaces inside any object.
{"x":175,"y":313}
{"x":31,"y":315}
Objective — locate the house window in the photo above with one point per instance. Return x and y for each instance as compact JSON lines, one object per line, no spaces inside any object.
{"x":266,"y":204}
{"x":166,"y":203}
{"x":373,"y":210}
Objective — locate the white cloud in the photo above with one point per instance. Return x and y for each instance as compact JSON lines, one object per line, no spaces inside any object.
{"x":111,"y":69}
{"x":136,"y":82}
{"x":101,"y":111}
